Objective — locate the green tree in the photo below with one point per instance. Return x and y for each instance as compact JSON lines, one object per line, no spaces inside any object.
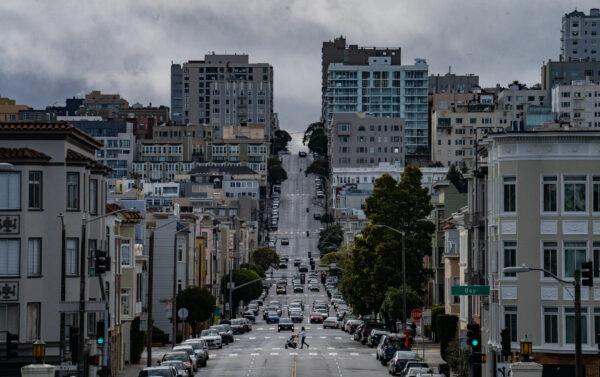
{"x":275,"y":172}
{"x":392,"y":307}
{"x":265,"y":257}
{"x":436,"y":310}
{"x":309,"y":130}
{"x":280,"y":141}
{"x":137,"y":340}
{"x":249,"y":292}
{"x":318,"y":142}
{"x":318,"y":167}
{"x":199,"y":302}
{"x":447,"y":326}
{"x":254,"y":267}
{"x":458,"y":359}
{"x":456,"y":178}
{"x":358,"y":284}
{"x":330,"y":238}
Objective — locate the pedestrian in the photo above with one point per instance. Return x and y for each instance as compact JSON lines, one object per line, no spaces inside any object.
{"x":303,"y":337}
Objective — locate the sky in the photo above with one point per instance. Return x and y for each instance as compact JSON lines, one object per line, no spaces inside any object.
{"x":56,"y":49}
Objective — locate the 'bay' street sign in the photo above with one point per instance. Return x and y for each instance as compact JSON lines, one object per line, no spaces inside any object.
{"x":470,"y":290}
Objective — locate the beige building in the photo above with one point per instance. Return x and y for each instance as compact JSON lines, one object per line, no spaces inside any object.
{"x":517,"y":99}
{"x":9,"y":110}
{"x":543,"y":207}
{"x":456,"y":130}
{"x":577,"y":103}
{"x":101,"y":104}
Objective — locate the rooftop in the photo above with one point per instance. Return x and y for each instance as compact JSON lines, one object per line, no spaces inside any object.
{"x":11,"y":154}
{"x":222,"y":169}
{"x":44,"y":130}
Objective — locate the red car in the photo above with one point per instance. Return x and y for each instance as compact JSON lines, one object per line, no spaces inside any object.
{"x":316,"y":318}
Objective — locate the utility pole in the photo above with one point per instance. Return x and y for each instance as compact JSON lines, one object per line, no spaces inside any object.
{"x":150,"y":298}
{"x":230,"y":288}
{"x":82,"y":275}
{"x":403,"y":283}
{"x":63,"y":254}
{"x":174,"y":298}
{"x":578,"y":366}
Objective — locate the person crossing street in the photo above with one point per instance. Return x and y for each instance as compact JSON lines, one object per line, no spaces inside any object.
{"x":303,"y":337}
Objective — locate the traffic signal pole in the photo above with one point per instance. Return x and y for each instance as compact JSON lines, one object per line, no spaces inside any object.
{"x":578,"y":366}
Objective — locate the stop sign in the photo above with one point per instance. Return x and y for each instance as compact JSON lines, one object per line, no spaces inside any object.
{"x":416,"y":314}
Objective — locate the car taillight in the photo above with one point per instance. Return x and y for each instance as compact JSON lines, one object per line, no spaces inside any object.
{"x":187,"y":364}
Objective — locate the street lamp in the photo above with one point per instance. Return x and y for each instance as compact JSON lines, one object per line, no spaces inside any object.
{"x":576,"y":283}
{"x":39,"y":351}
{"x":403,"y":270}
{"x":525,"y":348}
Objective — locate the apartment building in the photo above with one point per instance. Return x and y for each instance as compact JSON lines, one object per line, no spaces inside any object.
{"x":193,"y":139}
{"x":118,"y":144}
{"x":453,"y":83}
{"x":577,"y":103}
{"x":456,"y":131}
{"x":542,"y":212}
{"x":517,"y":99}
{"x":222,"y":90}
{"x":580,"y":36}
{"x":9,"y":110}
{"x":144,"y":118}
{"x":101,"y":104}
{"x":358,"y":140}
{"x":565,"y":72}
{"x":382,"y":89}
{"x":50,"y":183}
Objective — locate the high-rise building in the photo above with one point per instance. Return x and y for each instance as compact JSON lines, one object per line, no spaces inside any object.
{"x":577,"y":103}
{"x":382,"y":88}
{"x":580,"y":36}
{"x":222,"y":90}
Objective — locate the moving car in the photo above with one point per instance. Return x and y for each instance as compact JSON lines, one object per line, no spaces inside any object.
{"x":316,"y":317}
{"x":301,"y":154}
{"x":296,"y":316}
{"x":180,"y":356}
{"x":298,"y":289}
{"x":285,"y":241}
{"x":317,"y":216}
{"x":282,"y":264}
{"x":285,"y":324}
{"x":166,"y":371}
{"x":281,"y":290}
{"x":303,"y":267}
{"x":398,"y":362}
{"x":272,"y":317}
{"x":212,"y":338}
{"x":330,"y":322}
{"x":313,"y":288}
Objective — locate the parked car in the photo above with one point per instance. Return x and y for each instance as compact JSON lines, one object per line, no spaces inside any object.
{"x":190,"y":351}
{"x":413,"y":364}
{"x":178,"y":365}
{"x":418,"y":371}
{"x":285,"y":324}
{"x":388,"y":345}
{"x":212,"y":338}
{"x":330,"y":322}
{"x":351,"y":325}
{"x":161,"y":371}
{"x":398,"y":362}
{"x":375,"y":336}
{"x":200,"y":349}
{"x":237,"y":326}
{"x":180,"y":356}
{"x":249,"y":315}
{"x":225,"y":332}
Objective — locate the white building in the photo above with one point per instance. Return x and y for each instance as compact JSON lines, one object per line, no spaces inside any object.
{"x":577,"y":103}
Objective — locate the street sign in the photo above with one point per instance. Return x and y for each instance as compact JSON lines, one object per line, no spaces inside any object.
{"x":470,"y":290}
{"x":416,"y":314}
{"x":182,"y":313}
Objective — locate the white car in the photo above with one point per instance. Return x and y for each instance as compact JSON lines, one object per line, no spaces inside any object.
{"x":414,"y":372}
{"x":190,"y":351}
{"x":330,"y":322}
{"x":212,"y":338}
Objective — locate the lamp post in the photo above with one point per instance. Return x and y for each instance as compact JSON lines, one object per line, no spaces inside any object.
{"x":576,"y":283}
{"x":403,"y":270}
{"x":39,"y":351}
{"x":525,"y":348}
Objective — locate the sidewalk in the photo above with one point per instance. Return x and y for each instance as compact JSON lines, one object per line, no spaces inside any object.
{"x":132,"y":370}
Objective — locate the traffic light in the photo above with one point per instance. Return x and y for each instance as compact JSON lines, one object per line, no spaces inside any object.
{"x":587,"y":274}
{"x":505,"y":342}
{"x":474,"y":336}
{"x":100,"y":333}
{"x":74,"y":344}
{"x":102,"y":263}
{"x":477,"y":358}
{"x":94,"y":360}
{"x":12,"y":344}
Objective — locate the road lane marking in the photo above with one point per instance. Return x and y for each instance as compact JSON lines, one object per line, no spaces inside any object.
{"x":332,"y":353}
{"x":354,"y":353}
{"x":233,"y":355}
{"x":255,"y":354}
{"x":238,"y":339}
{"x":267,"y":337}
{"x":251,"y":337}
{"x":323,"y":337}
{"x":258,"y":349}
{"x":260,"y":328}
{"x":312,"y":354}
{"x":276,"y":348}
{"x":274,"y":353}
{"x":293,"y":353}
{"x":338,"y":337}
{"x":330,"y":348}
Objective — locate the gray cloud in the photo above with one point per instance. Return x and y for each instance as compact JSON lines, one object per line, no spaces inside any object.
{"x":53,"y":50}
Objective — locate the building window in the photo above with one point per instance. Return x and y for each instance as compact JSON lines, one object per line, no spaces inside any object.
{"x":179,"y":252}
{"x":574,"y":193}
{"x":72,"y":260}
{"x":125,"y":254}
{"x":550,"y":325}
{"x":33,"y":321}
{"x":9,"y":318}
{"x":596,"y":194}
{"x":10,"y":191}
{"x":94,"y":196}
{"x":575,"y":254}
{"x":34,"y":257}
{"x":596,"y":322}
{"x":9,"y":257}
{"x":73,"y":191}
{"x":549,"y":194}
{"x":35,"y":190}
{"x":126,"y":301}
{"x":456,"y":282}
{"x":596,"y":258}
{"x":510,"y":194}
{"x":570,"y":326}
{"x":550,"y":258}
{"x":510,"y":256}
{"x":510,"y":321}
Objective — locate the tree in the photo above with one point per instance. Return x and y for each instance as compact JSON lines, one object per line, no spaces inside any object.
{"x":265,"y":257}
{"x":254,"y":267}
{"x":199,"y":302}
{"x":330,"y":238}
{"x":275,"y":172}
{"x":392,"y":307}
{"x":456,"y":178}
{"x":137,"y":340}
{"x":280,"y":141}
{"x":436,"y":310}
{"x":458,"y":359}
{"x":318,"y":142}
{"x":318,"y":167}
{"x":447,"y":325}
{"x":309,"y":130}
{"x":247,"y":293}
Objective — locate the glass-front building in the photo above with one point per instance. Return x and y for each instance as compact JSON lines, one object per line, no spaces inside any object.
{"x":381,"y":89}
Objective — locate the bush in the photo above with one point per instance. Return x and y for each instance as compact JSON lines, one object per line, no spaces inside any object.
{"x":447,"y":326}
{"x":138,"y":340}
{"x":159,"y":336}
{"x":179,"y":337}
{"x":435,"y":312}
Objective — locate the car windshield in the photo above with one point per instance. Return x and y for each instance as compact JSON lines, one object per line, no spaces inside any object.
{"x":395,"y":342}
{"x":218,"y":328}
{"x":155,"y":373}
{"x":285,"y":320}
{"x":237,"y":322}
{"x":209,"y":333}
{"x":176,"y":363}
{"x":181,"y":356}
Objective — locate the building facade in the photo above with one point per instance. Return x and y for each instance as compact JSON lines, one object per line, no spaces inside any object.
{"x":9,"y":110}
{"x":580,"y":36}
{"x":101,"y":104}
{"x":358,"y":140}
{"x":516,"y":100}
{"x":453,"y":83}
{"x":577,"y":103}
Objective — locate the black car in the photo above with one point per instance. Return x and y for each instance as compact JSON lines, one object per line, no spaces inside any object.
{"x":285,"y":324}
{"x":238,"y":326}
{"x":249,"y":315}
{"x":301,"y":154}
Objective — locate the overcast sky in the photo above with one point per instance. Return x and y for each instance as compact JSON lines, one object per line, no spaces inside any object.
{"x":51,"y":50}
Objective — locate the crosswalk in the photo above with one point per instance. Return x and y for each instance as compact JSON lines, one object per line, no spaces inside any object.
{"x":312,"y":353}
